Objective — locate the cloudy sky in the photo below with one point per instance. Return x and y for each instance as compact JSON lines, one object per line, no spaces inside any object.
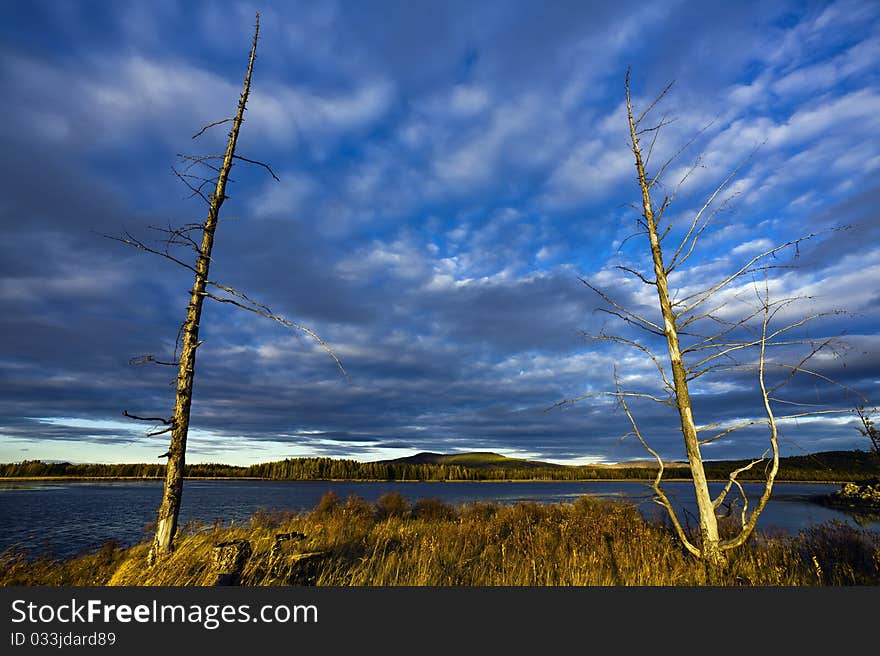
{"x":448,"y":173}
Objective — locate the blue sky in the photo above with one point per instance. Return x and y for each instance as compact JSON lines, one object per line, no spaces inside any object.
{"x":448,"y":171}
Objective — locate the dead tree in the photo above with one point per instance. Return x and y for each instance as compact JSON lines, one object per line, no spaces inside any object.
{"x":704,"y":333}
{"x":867,"y":428}
{"x":218,"y":167}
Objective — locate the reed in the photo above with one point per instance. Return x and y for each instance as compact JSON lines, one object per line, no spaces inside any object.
{"x":430,"y":543}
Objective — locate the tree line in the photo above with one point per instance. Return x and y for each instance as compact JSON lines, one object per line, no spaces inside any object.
{"x":827,"y":466}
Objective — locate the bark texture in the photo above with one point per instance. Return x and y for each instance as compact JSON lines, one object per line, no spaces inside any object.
{"x":710,"y":541}
{"x":169,"y":510}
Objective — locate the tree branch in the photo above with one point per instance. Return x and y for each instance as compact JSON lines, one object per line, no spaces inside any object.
{"x":641,"y":320}
{"x":661,"y":497}
{"x":637,"y":274}
{"x":731,"y":479}
{"x":693,"y":236}
{"x":195,"y":190}
{"x":656,"y":100}
{"x":252,"y":161}
{"x":211,"y":125}
{"x":131,"y":241}
{"x":617,"y":395}
{"x":161,"y":420}
{"x":644,"y":349}
{"x":144,"y":359}
{"x":708,"y":293}
{"x":264,"y":311}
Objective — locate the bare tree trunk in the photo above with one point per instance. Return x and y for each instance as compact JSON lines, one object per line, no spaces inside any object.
{"x":710,"y":541}
{"x":169,"y":509}
{"x":724,"y":347}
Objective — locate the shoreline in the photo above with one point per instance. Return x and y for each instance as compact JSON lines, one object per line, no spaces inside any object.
{"x":37,"y":479}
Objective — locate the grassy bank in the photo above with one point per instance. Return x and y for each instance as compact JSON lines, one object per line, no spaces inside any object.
{"x":393,"y":542}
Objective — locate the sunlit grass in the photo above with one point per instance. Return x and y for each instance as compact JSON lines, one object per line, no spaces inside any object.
{"x":429,"y":543}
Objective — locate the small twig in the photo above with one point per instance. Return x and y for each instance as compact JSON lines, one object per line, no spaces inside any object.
{"x":264,"y":311}
{"x":144,"y":359}
{"x":161,"y":420}
{"x":211,"y":125}
{"x":253,"y":161}
{"x":131,"y":241}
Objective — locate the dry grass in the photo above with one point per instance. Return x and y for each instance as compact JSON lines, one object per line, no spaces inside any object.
{"x":587,"y":543}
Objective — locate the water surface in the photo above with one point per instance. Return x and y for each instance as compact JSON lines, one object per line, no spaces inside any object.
{"x":68,"y":517}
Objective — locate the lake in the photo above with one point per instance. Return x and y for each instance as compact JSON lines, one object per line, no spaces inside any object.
{"x":66,"y":518}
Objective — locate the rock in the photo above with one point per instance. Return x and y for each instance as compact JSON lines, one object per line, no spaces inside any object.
{"x":229,"y":561}
{"x":861,"y":496}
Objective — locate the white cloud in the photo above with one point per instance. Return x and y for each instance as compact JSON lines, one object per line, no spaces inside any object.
{"x":171,"y":97}
{"x":822,"y":76}
{"x":753,"y":247}
{"x":592,"y":170}
{"x":287,"y":197}
{"x":281,"y":111}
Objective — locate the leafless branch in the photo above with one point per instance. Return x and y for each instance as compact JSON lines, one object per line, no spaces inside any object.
{"x":203,"y":160}
{"x":653,"y":104}
{"x":240,"y":295}
{"x":129,"y":240}
{"x":651,"y":146}
{"x":658,"y":216}
{"x":712,"y":314}
{"x":644,"y":349}
{"x":727,"y":348}
{"x":617,"y":395}
{"x":627,"y":319}
{"x":696,"y":229}
{"x":677,"y":154}
{"x":703,"y":295}
{"x":662,"y":124}
{"x":211,"y":125}
{"x":196,"y":191}
{"x":637,"y":274}
{"x":731,"y":479}
{"x":628,"y":237}
{"x":748,"y":525}
{"x":623,"y":311}
{"x":263,"y":311}
{"x":661,"y":497}
{"x":799,"y":365}
{"x":160,"y":420}
{"x":253,"y":161}
{"x":144,"y":359}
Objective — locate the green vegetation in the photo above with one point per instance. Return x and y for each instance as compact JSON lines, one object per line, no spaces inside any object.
{"x":395,"y":543}
{"x":831,"y":466}
{"x":474,"y":459}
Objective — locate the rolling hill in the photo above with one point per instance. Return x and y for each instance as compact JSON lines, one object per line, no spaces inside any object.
{"x":490,"y":460}
{"x":473,"y":459}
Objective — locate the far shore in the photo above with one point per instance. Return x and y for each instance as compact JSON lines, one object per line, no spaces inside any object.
{"x":33,"y":479}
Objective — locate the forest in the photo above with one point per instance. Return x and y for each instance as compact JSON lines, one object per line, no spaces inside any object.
{"x":828,"y":466}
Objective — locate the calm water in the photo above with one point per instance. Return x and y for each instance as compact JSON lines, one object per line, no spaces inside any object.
{"x":66,"y":518}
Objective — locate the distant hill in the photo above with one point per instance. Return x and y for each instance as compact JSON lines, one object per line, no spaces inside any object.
{"x":473,"y":459}
{"x":827,"y":465}
{"x":648,"y":464}
{"x":489,"y":460}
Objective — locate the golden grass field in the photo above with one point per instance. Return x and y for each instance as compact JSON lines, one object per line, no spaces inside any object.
{"x":429,"y":543}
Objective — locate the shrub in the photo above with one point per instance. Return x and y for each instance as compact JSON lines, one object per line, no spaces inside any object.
{"x":392,"y":504}
{"x":434,"y":509}
{"x":328,"y":505}
{"x":357,"y":508}
{"x":841,"y":554}
{"x":271,"y":518}
{"x":480,"y":511}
